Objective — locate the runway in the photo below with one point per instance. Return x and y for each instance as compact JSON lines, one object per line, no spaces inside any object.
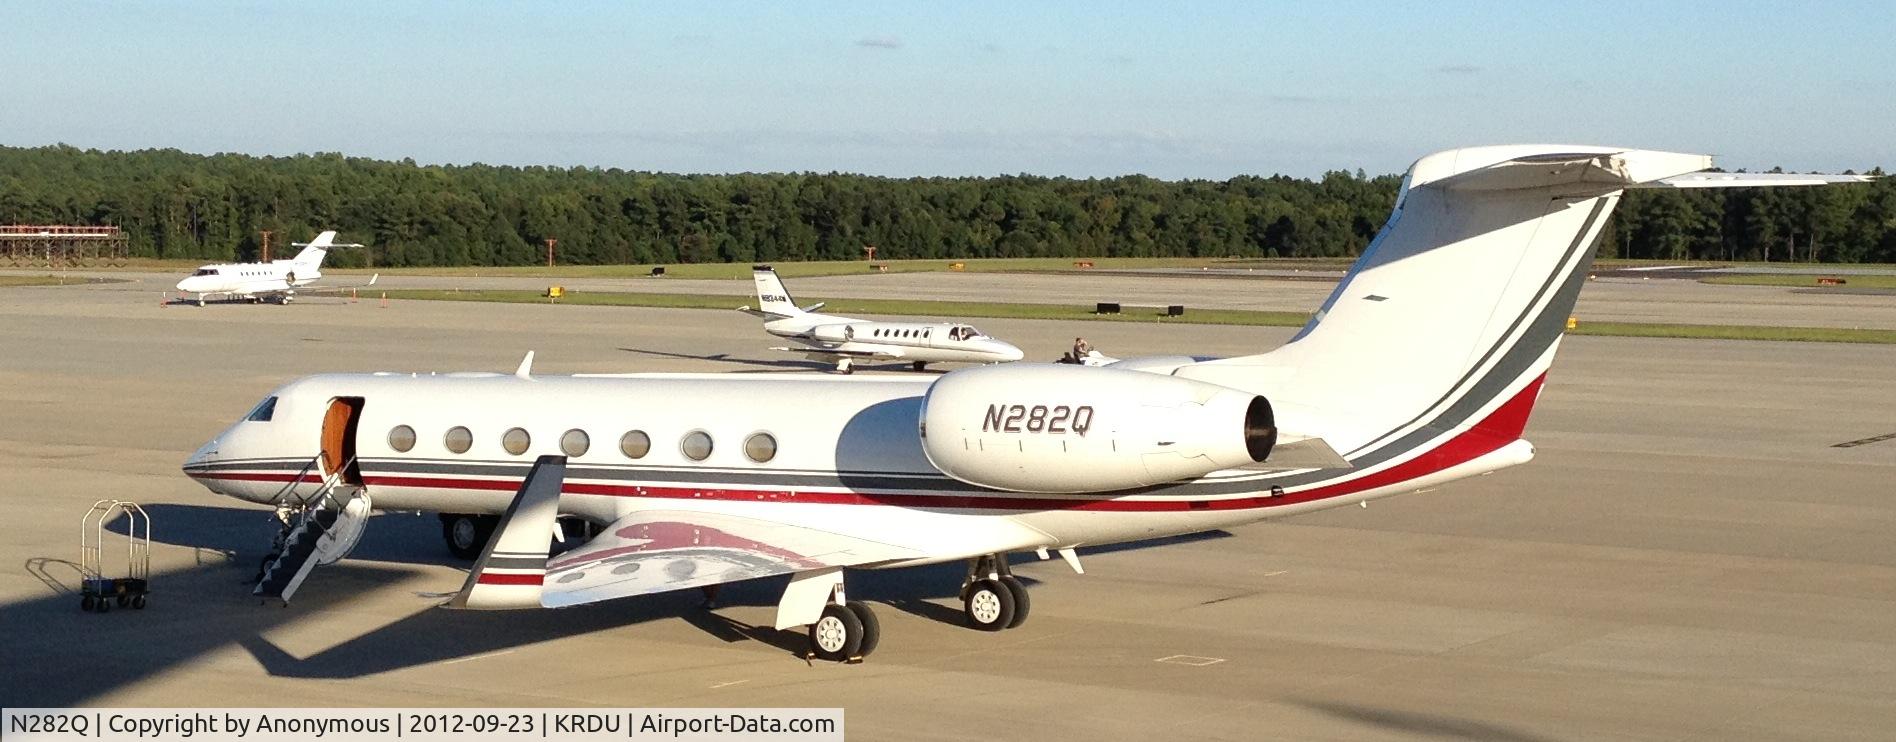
{"x":1690,"y":556}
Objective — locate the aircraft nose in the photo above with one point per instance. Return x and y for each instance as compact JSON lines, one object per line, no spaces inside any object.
{"x":186,"y":284}
{"x":1008,"y":352}
{"x":201,"y":458}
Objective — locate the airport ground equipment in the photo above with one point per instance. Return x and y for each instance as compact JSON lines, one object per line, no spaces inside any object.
{"x":98,"y":592}
{"x":62,"y":246}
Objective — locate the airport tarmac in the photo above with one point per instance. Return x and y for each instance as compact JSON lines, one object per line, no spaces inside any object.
{"x":1690,"y":556}
{"x":1607,"y":299}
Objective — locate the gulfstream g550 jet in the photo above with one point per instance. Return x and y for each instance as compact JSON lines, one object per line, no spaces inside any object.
{"x":829,"y":338}
{"x":276,"y":280}
{"x":1420,"y":369}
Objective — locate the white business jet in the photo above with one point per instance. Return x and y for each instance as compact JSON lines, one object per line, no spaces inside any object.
{"x":277,"y":280}
{"x":843,"y":341}
{"x":1421,"y":369}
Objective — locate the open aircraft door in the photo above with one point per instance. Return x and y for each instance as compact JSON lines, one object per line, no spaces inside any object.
{"x":339,"y":438}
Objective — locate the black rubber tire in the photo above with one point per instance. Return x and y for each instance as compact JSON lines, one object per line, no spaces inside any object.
{"x":105,"y":606}
{"x":138,"y":602}
{"x":989,"y":599}
{"x":836,"y":622}
{"x":920,"y":365}
{"x":88,"y":604}
{"x":1021,"y":602}
{"x":123,"y":601}
{"x":871,"y":627}
{"x":482,"y":529}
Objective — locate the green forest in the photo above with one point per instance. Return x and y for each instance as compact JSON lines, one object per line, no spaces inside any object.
{"x":180,"y":205}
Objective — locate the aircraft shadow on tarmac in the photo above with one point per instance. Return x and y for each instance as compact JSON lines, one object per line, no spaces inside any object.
{"x":1411,"y":724}
{"x":60,"y":657}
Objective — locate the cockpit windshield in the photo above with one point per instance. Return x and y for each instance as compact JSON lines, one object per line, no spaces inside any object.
{"x":963,"y":332}
{"x":263,"y":411}
{"x":206,"y":272}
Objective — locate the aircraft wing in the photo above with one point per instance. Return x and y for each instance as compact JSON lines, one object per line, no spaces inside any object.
{"x":336,"y":288}
{"x":655,"y":551}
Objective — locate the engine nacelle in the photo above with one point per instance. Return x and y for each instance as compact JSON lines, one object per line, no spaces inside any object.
{"x":837,"y":333}
{"x":1030,"y":427}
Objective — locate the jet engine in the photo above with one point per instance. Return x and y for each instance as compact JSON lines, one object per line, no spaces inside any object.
{"x":1059,"y":428}
{"x":837,"y":333}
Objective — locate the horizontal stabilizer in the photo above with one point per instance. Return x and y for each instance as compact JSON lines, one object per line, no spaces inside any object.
{"x":1750,"y":180}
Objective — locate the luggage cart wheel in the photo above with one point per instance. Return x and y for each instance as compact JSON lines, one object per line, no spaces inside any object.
{"x":105,"y":606}
{"x":138,"y":602}
{"x":88,"y":604}
{"x":123,"y":601}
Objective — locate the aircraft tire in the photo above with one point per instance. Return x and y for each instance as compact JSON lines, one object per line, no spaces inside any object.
{"x":989,"y":605}
{"x":837,"y":634}
{"x":871,"y":627}
{"x":1021,"y":602}
{"x":466,"y":535}
{"x":920,"y":365}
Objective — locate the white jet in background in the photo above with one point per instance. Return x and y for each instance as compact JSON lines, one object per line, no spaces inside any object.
{"x":1421,"y":369}
{"x":277,"y":280}
{"x":842,"y":340}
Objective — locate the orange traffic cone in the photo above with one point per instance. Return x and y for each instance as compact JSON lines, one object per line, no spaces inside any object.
{"x":385,"y":300}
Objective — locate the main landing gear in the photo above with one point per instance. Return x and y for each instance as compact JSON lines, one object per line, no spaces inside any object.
{"x":992,"y":598}
{"x":845,"y":366}
{"x":846,"y":632}
{"x":919,"y":365}
{"x":467,"y":534}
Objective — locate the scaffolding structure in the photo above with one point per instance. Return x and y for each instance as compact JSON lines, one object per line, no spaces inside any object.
{"x":62,"y":246}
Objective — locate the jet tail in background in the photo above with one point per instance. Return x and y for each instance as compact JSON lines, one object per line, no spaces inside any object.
{"x":772,"y":297}
{"x":311,"y":258}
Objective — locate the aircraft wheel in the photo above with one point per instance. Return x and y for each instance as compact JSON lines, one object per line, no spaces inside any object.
{"x":920,"y":365}
{"x":837,"y":635}
{"x":1021,"y":602}
{"x":466,"y":535}
{"x":871,"y":627}
{"x":989,"y":605}
{"x":88,"y":604}
{"x":200,"y":301}
{"x":845,"y":366}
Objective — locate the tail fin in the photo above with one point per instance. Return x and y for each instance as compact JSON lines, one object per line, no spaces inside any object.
{"x":1457,"y":306}
{"x":772,"y":297}
{"x":314,"y":250}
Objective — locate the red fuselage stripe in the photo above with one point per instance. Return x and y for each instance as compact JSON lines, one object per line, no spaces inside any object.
{"x":496,"y":578}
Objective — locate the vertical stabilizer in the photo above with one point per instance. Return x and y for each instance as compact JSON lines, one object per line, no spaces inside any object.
{"x":1456,"y":308}
{"x":772,"y":297}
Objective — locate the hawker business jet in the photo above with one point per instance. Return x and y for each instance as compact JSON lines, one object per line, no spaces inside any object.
{"x":843,"y":341}
{"x":1420,"y":369}
{"x":277,"y":280}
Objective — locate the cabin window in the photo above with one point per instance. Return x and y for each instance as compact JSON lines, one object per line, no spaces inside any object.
{"x":575,"y":443}
{"x":263,"y":411}
{"x":696,"y":445}
{"x":458,"y":439}
{"x":515,"y":440}
{"x":760,"y":447}
{"x":401,"y":438}
{"x":635,"y":444}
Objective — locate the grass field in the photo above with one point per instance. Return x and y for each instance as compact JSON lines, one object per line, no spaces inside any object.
{"x":970,"y":310}
{"x":1779,"y":279}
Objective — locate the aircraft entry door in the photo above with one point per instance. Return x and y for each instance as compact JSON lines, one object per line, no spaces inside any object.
{"x":339,"y":438}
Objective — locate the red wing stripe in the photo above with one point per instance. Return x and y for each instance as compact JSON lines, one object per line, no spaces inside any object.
{"x":499,"y":578}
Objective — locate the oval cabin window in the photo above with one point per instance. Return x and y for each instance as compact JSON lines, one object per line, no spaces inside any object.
{"x":575,"y":443}
{"x":696,"y":445}
{"x":458,"y":439}
{"x":515,"y":441}
{"x":760,"y":447}
{"x":401,"y":438}
{"x":635,"y":444}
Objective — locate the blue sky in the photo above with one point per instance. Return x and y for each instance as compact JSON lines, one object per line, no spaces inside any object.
{"x":1173,"y":90}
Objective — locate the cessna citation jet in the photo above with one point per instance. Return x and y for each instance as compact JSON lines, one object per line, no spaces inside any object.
{"x":1421,"y":368}
{"x":825,"y":337}
{"x":276,"y":280}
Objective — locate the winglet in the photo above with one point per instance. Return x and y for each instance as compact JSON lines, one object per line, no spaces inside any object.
{"x":512,"y":567}
{"x":374,"y":278}
{"x":525,"y":371}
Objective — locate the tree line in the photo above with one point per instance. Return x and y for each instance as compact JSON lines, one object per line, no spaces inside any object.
{"x":174,"y":204}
